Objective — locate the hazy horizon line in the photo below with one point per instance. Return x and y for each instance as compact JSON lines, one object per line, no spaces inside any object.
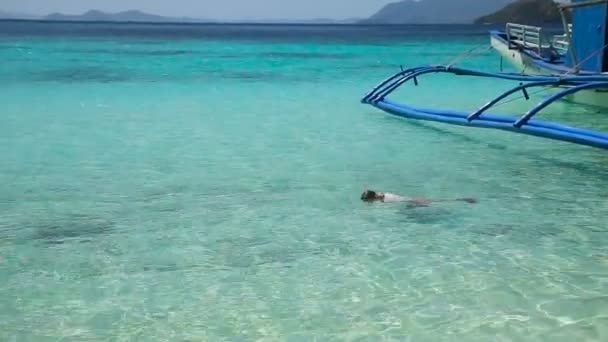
{"x":244,"y":22}
{"x":38,"y":16}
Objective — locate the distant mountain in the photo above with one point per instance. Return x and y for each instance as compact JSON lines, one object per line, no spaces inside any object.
{"x":127,"y":16}
{"x":530,"y":12}
{"x":435,"y":11}
{"x":138,"y":16}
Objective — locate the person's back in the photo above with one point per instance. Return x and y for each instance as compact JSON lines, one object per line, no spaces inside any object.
{"x":387,"y":197}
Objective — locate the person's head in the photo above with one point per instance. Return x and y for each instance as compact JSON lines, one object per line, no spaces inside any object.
{"x":369,"y":196}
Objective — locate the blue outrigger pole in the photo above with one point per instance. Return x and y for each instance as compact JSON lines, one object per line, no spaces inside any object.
{"x":559,"y":70}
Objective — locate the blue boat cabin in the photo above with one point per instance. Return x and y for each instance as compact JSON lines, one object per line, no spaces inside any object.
{"x":589,"y":37}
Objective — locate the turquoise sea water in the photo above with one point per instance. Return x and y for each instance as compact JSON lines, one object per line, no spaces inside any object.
{"x":201,"y":183}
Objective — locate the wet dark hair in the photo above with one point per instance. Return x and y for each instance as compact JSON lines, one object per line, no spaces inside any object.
{"x":368,"y":195}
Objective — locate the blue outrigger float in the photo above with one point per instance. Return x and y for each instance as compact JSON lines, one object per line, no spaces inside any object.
{"x":573,"y":65}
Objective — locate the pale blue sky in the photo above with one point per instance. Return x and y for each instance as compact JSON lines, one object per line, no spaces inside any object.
{"x":212,"y":9}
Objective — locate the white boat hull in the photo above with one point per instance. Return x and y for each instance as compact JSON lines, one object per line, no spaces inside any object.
{"x":526,"y":64}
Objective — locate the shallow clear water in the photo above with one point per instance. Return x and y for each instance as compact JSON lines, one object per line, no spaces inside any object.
{"x":202,"y":183}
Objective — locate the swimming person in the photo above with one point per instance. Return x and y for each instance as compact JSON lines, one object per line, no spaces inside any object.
{"x":387,"y":197}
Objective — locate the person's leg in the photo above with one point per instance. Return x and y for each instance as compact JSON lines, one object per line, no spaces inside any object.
{"x":419,"y":202}
{"x":423,"y":202}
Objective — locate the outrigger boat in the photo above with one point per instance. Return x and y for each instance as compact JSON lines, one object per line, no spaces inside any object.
{"x":573,"y":65}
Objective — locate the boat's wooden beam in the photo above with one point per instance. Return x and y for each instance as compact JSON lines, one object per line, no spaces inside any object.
{"x":569,"y":38}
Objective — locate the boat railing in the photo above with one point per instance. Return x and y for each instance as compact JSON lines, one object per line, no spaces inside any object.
{"x":524,"y":35}
{"x":560,"y":41}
